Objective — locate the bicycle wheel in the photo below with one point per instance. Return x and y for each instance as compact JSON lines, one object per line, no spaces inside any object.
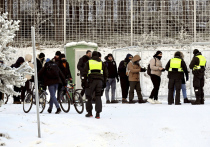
{"x":42,"y":102}
{"x":28,"y":102}
{"x":78,"y":103}
{"x":6,"y":98}
{"x":64,"y":102}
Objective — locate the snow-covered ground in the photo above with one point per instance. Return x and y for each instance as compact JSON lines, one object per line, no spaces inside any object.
{"x":121,"y":125}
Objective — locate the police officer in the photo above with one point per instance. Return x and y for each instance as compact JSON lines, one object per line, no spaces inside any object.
{"x":175,"y":67}
{"x":94,"y":80}
{"x":198,"y":65}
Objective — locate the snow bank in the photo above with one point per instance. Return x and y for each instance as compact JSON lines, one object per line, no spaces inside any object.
{"x":81,"y":43}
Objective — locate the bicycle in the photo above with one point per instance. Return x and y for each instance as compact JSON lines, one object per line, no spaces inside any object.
{"x":30,"y":99}
{"x":70,"y":96}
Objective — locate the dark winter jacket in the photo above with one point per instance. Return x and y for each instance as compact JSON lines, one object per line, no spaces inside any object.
{"x":65,"y":70}
{"x":122,"y":67}
{"x":56,"y":60}
{"x":102,"y":77}
{"x":40,"y":63}
{"x":196,"y":61}
{"x":18,"y":62}
{"x":81,"y":64}
{"x":176,"y":74}
{"x":112,"y":68}
{"x":47,"y":81}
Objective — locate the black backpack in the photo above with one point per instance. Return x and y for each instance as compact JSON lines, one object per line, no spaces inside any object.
{"x":149,"y":69}
{"x":52,"y":70}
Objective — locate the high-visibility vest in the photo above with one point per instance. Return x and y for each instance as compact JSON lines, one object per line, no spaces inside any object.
{"x":175,"y":63}
{"x":95,"y":67}
{"x":202,"y":62}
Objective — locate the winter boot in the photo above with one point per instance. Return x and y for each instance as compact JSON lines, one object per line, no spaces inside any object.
{"x":124,"y":101}
{"x":49,"y":110}
{"x":186,"y":100}
{"x":108,"y":101}
{"x":141,"y":101}
{"x":197,"y":102}
{"x":202,"y":101}
{"x":157,"y":102}
{"x":97,"y":115}
{"x":178,"y":104}
{"x":58,"y":111}
{"x":150,"y":100}
{"x":114,"y":101}
{"x":89,"y":114}
{"x":131,"y":102}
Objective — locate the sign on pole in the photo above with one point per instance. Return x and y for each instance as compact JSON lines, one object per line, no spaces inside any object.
{"x":36,"y":80}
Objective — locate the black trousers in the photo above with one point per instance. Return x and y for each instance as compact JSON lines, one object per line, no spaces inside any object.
{"x":198,"y":84}
{"x":156,"y":86}
{"x":1,"y":96}
{"x":94,"y":86}
{"x":171,"y":84}
{"x":135,"y":85}
{"x":17,"y":98}
{"x":124,"y":87}
{"x":24,"y":89}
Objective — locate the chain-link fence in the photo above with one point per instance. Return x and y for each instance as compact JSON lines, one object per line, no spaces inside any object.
{"x":146,"y":53}
{"x":115,"y":23}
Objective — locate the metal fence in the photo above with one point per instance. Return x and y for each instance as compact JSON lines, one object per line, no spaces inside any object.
{"x":115,"y":23}
{"x":146,"y":53}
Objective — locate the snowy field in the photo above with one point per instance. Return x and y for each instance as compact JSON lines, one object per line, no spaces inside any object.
{"x":121,"y":125}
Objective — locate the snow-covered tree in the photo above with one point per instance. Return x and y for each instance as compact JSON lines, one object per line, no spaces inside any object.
{"x":10,"y":76}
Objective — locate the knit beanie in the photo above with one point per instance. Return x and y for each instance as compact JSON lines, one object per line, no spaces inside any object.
{"x":95,"y":53}
{"x":41,"y":55}
{"x":62,"y":56}
{"x":195,"y":51}
{"x":58,"y":53}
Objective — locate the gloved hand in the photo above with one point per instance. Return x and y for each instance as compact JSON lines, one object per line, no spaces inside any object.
{"x":163,"y":70}
{"x":143,"y":69}
{"x":117,"y":79}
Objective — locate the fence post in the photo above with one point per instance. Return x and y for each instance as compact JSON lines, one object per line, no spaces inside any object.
{"x":194,"y":20}
{"x":36,"y":80}
{"x":131,"y":22}
{"x":64,"y":22}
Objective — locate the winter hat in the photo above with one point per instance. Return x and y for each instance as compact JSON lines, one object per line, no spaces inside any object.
{"x":99,"y":54}
{"x":177,"y":54}
{"x":128,"y":55}
{"x":110,"y":55}
{"x":41,"y":55}
{"x":20,"y":60}
{"x":195,"y":51}
{"x":47,"y":60}
{"x":62,"y":56}
{"x":157,"y":53}
{"x":58,"y":53}
{"x":95,"y":53}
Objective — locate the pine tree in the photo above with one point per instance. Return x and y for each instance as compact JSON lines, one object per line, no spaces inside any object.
{"x":10,"y":76}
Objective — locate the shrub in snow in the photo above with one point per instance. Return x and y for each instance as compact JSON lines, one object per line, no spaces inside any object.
{"x":10,"y":76}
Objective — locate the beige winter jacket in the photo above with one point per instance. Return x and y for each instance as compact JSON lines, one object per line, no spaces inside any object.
{"x":134,"y":69}
{"x":155,"y":67}
{"x":28,"y":59}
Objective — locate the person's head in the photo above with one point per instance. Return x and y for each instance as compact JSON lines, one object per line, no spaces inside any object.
{"x":99,"y":55}
{"x":95,"y":54}
{"x":47,"y":60}
{"x":195,"y":51}
{"x":177,"y":54}
{"x":88,"y":53}
{"x":110,"y":57}
{"x":129,"y":57}
{"x":20,"y":60}
{"x":62,"y":56}
{"x":158,"y":55}
{"x":28,"y":57}
{"x":57,"y":54}
{"x":41,"y":56}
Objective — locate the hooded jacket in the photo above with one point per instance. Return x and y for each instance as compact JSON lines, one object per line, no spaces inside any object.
{"x":196,"y":61}
{"x":40,"y":64}
{"x":122,"y":67}
{"x":134,"y":68}
{"x":112,"y":67}
{"x":65,"y":70}
{"x":17,"y":64}
{"x":81,"y":64}
{"x":155,"y":64}
{"x":28,"y":59}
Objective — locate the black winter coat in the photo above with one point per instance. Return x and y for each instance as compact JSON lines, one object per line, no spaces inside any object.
{"x":65,"y":70}
{"x":39,"y":64}
{"x":47,"y":80}
{"x":112,"y":69}
{"x":17,"y":64}
{"x":81,"y":64}
{"x":122,"y":68}
{"x":196,"y":61}
{"x":176,"y":74}
{"x":95,"y":76}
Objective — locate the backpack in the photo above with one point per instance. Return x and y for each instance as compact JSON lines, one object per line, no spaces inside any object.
{"x":149,"y":69}
{"x":52,"y":70}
